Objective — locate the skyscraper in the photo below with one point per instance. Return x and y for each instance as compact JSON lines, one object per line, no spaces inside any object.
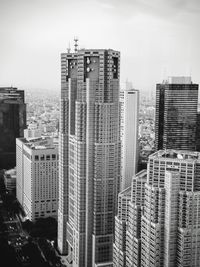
{"x":127,"y":245}
{"x":170,"y":223}
{"x":129,"y":113}
{"x":89,"y":169}
{"x":161,"y":226}
{"x":176,"y":114}
{"x":37,"y":176}
{"x":12,"y":124}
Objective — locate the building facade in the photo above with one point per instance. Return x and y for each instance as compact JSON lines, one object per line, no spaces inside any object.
{"x":176,"y":114}
{"x":119,"y":246}
{"x":161,"y":225}
{"x":170,"y":218}
{"x":89,"y":167}
{"x":127,"y":245}
{"x":12,"y":124}
{"x":37,"y":177}
{"x":129,"y":113}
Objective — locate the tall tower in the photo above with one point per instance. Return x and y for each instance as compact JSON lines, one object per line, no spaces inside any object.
{"x":170,"y":224}
{"x":159,"y":223}
{"x":89,"y":155}
{"x":176,"y":114}
{"x":127,"y":245}
{"x":129,"y":112}
{"x":12,"y":124}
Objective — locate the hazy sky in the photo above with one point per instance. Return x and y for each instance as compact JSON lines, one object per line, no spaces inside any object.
{"x":156,"y":38}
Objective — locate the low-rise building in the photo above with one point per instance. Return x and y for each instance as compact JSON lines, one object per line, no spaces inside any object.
{"x":10,"y":180}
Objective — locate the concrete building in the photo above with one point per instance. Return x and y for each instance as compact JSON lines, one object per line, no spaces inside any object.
{"x":129,"y":113}
{"x":170,"y":218}
{"x":127,"y":223}
{"x":198,"y":132}
{"x":37,"y":176}
{"x":89,"y":170}
{"x":119,"y":245}
{"x":162,"y":224}
{"x":176,"y":114}
{"x":12,"y":124}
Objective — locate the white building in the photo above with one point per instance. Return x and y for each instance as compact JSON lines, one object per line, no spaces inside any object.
{"x":37,"y":176}
{"x":129,"y":112}
{"x":126,"y":247}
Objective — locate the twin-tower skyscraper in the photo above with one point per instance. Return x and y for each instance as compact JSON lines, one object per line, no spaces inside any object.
{"x":89,"y":168}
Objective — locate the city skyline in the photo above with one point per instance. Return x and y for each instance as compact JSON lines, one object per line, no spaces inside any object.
{"x":156,"y":39}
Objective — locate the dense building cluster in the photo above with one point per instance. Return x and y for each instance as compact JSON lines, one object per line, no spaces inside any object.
{"x":121,"y":178}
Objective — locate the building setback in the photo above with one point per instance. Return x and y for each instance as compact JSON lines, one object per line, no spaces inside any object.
{"x":127,"y":223}
{"x":176,"y":114}
{"x":89,"y":169}
{"x":171,"y":217}
{"x":12,"y":124}
{"x":129,"y":112}
{"x":161,"y":225}
{"x":37,"y":177}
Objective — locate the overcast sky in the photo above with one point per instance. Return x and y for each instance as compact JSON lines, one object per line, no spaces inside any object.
{"x":156,"y":38}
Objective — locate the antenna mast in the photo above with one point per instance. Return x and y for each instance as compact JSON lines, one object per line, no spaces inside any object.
{"x":75,"y":44}
{"x":69,"y":48}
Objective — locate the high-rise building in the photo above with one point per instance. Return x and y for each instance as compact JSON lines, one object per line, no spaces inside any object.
{"x":176,"y":114}
{"x":161,"y":225}
{"x":37,"y":176}
{"x":198,"y":132}
{"x":127,"y":223}
{"x":119,"y":245}
{"x":129,"y":113}
{"x":12,"y":124}
{"x":89,"y":166}
{"x":170,"y":223}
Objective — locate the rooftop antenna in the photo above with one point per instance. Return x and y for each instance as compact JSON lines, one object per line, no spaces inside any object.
{"x":69,"y":48}
{"x":75,"y":44}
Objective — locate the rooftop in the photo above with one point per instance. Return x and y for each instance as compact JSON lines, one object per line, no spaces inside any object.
{"x":178,"y":80}
{"x":40,"y":143}
{"x":176,"y":154}
{"x":11,"y":94}
{"x":126,"y":192}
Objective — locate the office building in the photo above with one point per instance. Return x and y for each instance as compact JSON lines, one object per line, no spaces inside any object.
{"x":161,"y":226}
{"x":171,"y":221}
{"x":198,"y":132}
{"x":119,"y":245}
{"x":89,"y":167}
{"x":127,"y":223}
{"x":129,"y":113}
{"x":176,"y":114}
{"x":12,"y":124}
{"x":37,"y":176}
